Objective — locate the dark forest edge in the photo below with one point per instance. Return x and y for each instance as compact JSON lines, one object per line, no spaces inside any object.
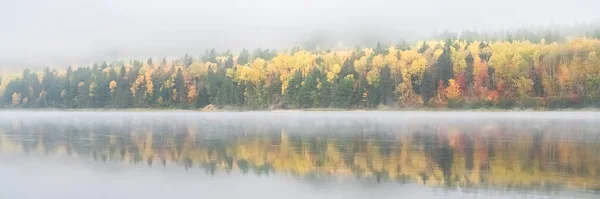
{"x":451,"y":74}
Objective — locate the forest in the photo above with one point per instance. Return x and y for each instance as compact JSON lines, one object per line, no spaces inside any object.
{"x":453,"y":73}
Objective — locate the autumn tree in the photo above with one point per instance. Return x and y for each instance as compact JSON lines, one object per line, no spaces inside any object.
{"x":483,"y":72}
{"x":453,"y":90}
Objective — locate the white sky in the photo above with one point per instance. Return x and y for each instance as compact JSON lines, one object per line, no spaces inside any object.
{"x":78,"y":29}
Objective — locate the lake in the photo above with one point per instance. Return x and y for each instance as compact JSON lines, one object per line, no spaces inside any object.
{"x":151,"y":155}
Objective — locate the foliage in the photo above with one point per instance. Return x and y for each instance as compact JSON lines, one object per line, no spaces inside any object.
{"x":446,"y":154}
{"x":472,"y":73}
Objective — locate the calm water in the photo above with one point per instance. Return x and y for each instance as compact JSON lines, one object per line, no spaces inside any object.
{"x":299,"y":155}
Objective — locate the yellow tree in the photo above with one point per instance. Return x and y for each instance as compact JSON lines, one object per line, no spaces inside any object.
{"x":578,"y":75}
{"x":523,"y":86}
{"x":113,"y":86}
{"x":192,"y":93}
{"x":453,"y":90}
{"x":458,"y":60}
{"x":284,"y":64}
{"x":592,"y":75}
{"x":361,"y":66}
{"x":377,"y":63}
{"x":549,"y":55}
{"x":139,"y":81}
{"x":16,"y":99}
{"x":333,"y":72}
{"x":412,"y":64}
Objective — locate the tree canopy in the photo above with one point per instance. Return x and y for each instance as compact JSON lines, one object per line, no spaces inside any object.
{"x":454,"y":73}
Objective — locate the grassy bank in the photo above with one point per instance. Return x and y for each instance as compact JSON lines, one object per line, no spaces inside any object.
{"x":239,"y":109}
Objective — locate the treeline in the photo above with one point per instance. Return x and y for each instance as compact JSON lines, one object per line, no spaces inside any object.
{"x":449,"y":73}
{"x":547,"y":34}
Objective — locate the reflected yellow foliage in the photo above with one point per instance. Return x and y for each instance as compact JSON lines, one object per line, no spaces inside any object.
{"x":453,"y":156}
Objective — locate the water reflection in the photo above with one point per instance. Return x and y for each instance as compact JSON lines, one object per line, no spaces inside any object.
{"x":450,"y":151}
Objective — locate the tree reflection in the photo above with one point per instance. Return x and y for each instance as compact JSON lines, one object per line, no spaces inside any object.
{"x":445,"y":155}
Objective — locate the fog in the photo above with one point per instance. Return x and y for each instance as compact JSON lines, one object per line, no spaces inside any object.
{"x":293,"y":154}
{"x":311,"y":123}
{"x":70,"y":31}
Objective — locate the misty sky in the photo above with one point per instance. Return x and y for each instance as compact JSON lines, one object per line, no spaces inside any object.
{"x":75,"y":30}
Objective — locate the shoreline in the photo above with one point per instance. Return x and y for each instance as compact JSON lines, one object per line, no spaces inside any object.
{"x":296,"y":110}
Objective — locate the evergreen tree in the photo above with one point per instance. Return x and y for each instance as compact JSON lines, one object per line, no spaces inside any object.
{"x":83,"y":95}
{"x":316,"y":92}
{"x":70,"y":89}
{"x":257,"y":53}
{"x":13,"y":87}
{"x":274,"y":97}
{"x":214,"y":88}
{"x":444,"y":69}
{"x":243,"y":58}
{"x":342,"y":97}
{"x":123,"y":93}
{"x":293,"y":89}
{"x":122,"y":72}
{"x":304,"y":97}
{"x":348,"y":68}
{"x":380,"y":49}
{"x":235,"y":94}
{"x":112,"y":75}
{"x":212,"y":85}
{"x":537,"y":87}
{"x":163,"y":63}
{"x":492,"y":78}
{"x":180,"y":86}
{"x":139,"y":97}
{"x":403,"y":46}
{"x":31,"y":90}
{"x":101,"y":90}
{"x":386,"y":85}
{"x":424,"y":47}
{"x":427,"y":87}
{"x":229,"y":62}
{"x":210,"y":56}
{"x":469,"y":70}
{"x":51,"y":86}
{"x":150,"y":62}
{"x":325,"y":92}
{"x":369,"y":93}
{"x":203,"y":98}
{"x":187,"y":61}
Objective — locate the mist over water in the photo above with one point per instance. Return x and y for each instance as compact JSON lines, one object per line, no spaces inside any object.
{"x":299,"y":154}
{"x":148,"y":155}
